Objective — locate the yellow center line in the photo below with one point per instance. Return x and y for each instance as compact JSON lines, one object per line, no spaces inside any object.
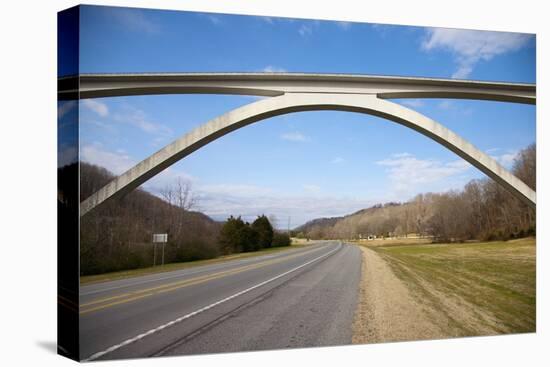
{"x":187,"y":283}
{"x":147,"y":290}
{"x":230,"y":271}
{"x":131,"y":296}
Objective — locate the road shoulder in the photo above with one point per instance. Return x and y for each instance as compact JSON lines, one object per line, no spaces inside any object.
{"x":386,"y":309}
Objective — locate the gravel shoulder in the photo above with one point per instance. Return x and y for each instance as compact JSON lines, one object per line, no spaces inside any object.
{"x":386,"y":310}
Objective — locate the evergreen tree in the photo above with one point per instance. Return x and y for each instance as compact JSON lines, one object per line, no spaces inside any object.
{"x":238,"y":236}
{"x":249,"y":239}
{"x":264,"y":231}
{"x":231,"y":235}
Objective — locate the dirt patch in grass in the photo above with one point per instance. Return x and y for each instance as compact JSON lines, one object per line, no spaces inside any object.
{"x":447,"y":290}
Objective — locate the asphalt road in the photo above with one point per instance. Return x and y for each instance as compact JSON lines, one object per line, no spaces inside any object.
{"x":296,"y":298}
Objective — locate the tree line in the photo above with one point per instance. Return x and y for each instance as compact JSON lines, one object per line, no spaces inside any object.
{"x":482,"y":210}
{"x":237,"y":235}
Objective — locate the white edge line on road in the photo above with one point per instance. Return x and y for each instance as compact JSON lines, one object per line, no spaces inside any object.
{"x":189,"y":315}
{"x":182,"y":273}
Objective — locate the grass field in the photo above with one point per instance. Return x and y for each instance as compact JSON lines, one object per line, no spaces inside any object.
{"x":479,"y":288}
{"x":89,"y":279}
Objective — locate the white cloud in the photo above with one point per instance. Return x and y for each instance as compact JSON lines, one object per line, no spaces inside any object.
{"x":470,"y":47}
{"x":139,"y":119}
{"x":307,"y":27}
{"x":295,"y":136}
{"x":128,"y":115}
{"x":214,"y":19}
{"x":382,"y":29}
{"x":344,"y":25}
{"x":97,"y":123}
{"x":167,"y":178}
{"x":445,"y":105}
{"x":67,"y":155}
{"x":305,"y":30}
{"x":119,"y":161}
{"x":249,"y":201}
{"x":337,"y":160}
{"x":134,"y":20}
{"x":115,"y":162}
{"x":455,"y":107}
{"x":97,"y":107}
{"x":268,"y":20}
{"x":401,"y":155}
{"x":273,"y":20}
{"x":415,"y":103}
{"x":273,"y":69}
{"x":237,"y":190}
{"x":506,"y":159}
{"x":64,"y":108}
{"x":254,"y":98}
{"x":313,"y":189}
{"x":408,"y":173}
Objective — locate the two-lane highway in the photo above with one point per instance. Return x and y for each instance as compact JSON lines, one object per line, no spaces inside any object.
{"x":296,"y":298}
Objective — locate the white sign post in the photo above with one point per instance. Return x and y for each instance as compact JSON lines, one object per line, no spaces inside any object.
{"x":159,"y":238}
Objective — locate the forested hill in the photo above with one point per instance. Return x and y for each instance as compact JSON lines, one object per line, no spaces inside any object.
{"x":324,"y":227}
{"x":118,"y":235}
{"x":93,"y":178}
{"x":317,"y":223}
{"x":481,"y":210}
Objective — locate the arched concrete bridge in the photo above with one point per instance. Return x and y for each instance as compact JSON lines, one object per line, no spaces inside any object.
{"x":294,"y":93}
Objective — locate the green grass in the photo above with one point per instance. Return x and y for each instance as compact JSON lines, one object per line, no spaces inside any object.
{"x":490,"y":278}
{"x":98,"y":278}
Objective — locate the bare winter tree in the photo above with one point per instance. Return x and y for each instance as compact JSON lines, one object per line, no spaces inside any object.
{"x":179,"y":194}
{"x":181,"y":200}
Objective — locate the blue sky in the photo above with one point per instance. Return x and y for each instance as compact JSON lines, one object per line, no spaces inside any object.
{"x":302,"y":165}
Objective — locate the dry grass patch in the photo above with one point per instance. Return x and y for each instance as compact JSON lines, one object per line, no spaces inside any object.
{"x":392,"y":242}
{"x":469,"y":289}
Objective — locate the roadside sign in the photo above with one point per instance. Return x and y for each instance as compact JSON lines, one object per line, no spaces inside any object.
{"x":160,"y":237}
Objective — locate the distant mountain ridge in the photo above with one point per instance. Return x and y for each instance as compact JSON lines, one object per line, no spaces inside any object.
{"x":331,"y":222}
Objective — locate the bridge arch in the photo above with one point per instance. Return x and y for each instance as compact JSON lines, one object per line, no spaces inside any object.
{"x":298,"y":102}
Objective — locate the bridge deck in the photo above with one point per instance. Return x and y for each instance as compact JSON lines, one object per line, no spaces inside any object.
{"x":276,"y":84}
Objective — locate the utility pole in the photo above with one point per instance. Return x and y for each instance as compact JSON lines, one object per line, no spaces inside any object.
{"x":288,"y":227}
{"x":153,"y":240}
{"x":154,"y":253}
